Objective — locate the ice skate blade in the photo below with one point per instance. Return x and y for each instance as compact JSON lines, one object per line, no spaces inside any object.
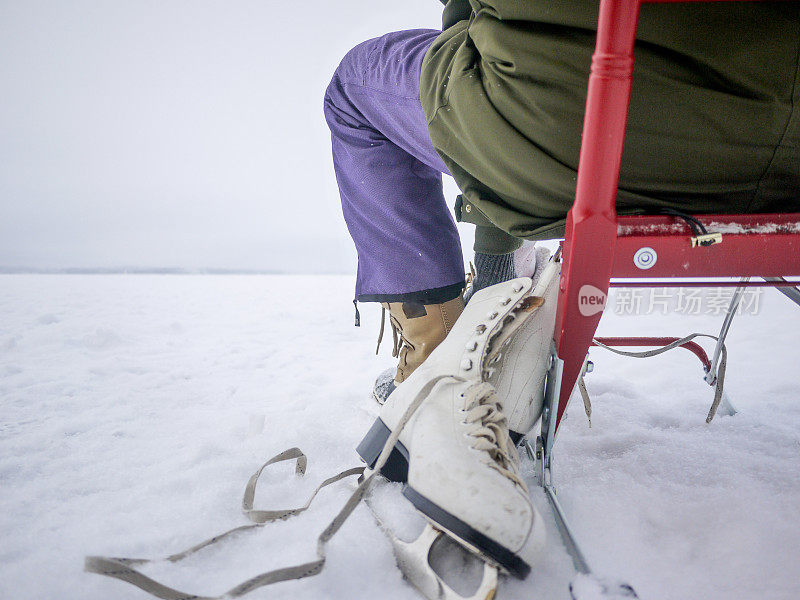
{"x":467,"y":536}
{"x":413,"y":558}
{"x":369,"y":449}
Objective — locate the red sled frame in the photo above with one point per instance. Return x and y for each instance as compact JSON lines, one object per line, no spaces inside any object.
{"x":599,"y":245}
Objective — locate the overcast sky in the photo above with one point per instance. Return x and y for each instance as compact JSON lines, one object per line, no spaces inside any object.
{"x":176,"y":133}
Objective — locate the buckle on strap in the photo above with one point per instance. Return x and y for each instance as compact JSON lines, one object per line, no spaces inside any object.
{"x":706,"y":239}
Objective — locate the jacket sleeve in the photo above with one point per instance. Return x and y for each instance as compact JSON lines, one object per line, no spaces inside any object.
{"x":455,"y":11}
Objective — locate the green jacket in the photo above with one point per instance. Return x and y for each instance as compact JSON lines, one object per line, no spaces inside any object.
{"x":455,"y":11}
{"x":714,"y":122}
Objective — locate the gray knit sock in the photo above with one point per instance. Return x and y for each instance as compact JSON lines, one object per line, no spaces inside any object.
{"x":491,"y":269}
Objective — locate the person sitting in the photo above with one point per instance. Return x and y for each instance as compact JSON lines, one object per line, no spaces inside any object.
{"x":496,"y":99}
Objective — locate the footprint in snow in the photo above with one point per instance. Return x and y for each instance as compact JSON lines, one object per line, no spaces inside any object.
{"x":11,"y":343}
{"x":101,"y":339}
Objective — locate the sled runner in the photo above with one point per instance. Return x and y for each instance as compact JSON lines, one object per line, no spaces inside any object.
{"x":601,"y":250}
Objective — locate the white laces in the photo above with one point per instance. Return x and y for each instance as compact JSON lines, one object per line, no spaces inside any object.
{"x":490,"y":430}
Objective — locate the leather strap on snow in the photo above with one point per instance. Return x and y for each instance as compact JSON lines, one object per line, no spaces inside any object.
{"x":719,"y":386}
{"x":264,"y":516}
{"x":121,"y":568}
{"x":723,"y":362}
{"x":587,"y":402}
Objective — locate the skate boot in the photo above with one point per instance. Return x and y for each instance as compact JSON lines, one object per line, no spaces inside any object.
{"x":455,"y":450}
{"x":518,"y":358}
{"x":416,"y":330}
{"x":464,"y":476}
{"x":511,"y":352}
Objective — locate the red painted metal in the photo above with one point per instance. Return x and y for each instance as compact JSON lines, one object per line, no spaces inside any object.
{"x":592,"y":251}
{"x":692,"y":347}
{"x":591,"y":223}
{"x":705,"y":283}
{"x":773,"y":239}
{"x":685,"y":1}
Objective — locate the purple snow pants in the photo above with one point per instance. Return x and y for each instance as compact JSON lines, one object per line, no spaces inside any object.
{"x":389,"y":175}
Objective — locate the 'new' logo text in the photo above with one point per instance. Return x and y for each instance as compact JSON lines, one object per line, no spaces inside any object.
{"x":591,"y":300}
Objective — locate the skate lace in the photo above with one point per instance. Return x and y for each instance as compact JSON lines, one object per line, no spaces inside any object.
{"x":490,"y":430}
{"x":398,"y":341}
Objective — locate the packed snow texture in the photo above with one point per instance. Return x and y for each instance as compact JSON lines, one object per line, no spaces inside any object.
{"x":135,"y":407}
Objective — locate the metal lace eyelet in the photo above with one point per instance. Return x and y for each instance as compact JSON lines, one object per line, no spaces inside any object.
{"x":517,"y":288}
{"x":466,"y":364}
{"x":472,"y":345}
{"x":505,"y":301}
{"x":492,"y":315}
{"x":480,"y":328}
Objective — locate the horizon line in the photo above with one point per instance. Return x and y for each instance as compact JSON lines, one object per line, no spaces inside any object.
{"x":152,"y":271}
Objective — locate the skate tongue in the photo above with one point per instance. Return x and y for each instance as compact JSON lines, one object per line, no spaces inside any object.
{"x":513,"y":322}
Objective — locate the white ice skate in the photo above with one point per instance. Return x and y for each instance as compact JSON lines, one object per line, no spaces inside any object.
{"x":511,"y":352}
{"x":455,"y":453}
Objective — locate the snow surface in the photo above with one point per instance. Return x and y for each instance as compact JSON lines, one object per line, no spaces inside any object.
{"x":135,"y":407}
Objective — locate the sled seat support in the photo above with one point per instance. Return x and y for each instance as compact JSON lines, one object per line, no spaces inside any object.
{"x":640,"y":249}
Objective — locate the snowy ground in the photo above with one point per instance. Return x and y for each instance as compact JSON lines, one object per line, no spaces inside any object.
{"x":134,"y":408}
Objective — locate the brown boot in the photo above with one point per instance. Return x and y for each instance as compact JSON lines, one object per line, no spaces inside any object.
{"x":417,"y":329}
